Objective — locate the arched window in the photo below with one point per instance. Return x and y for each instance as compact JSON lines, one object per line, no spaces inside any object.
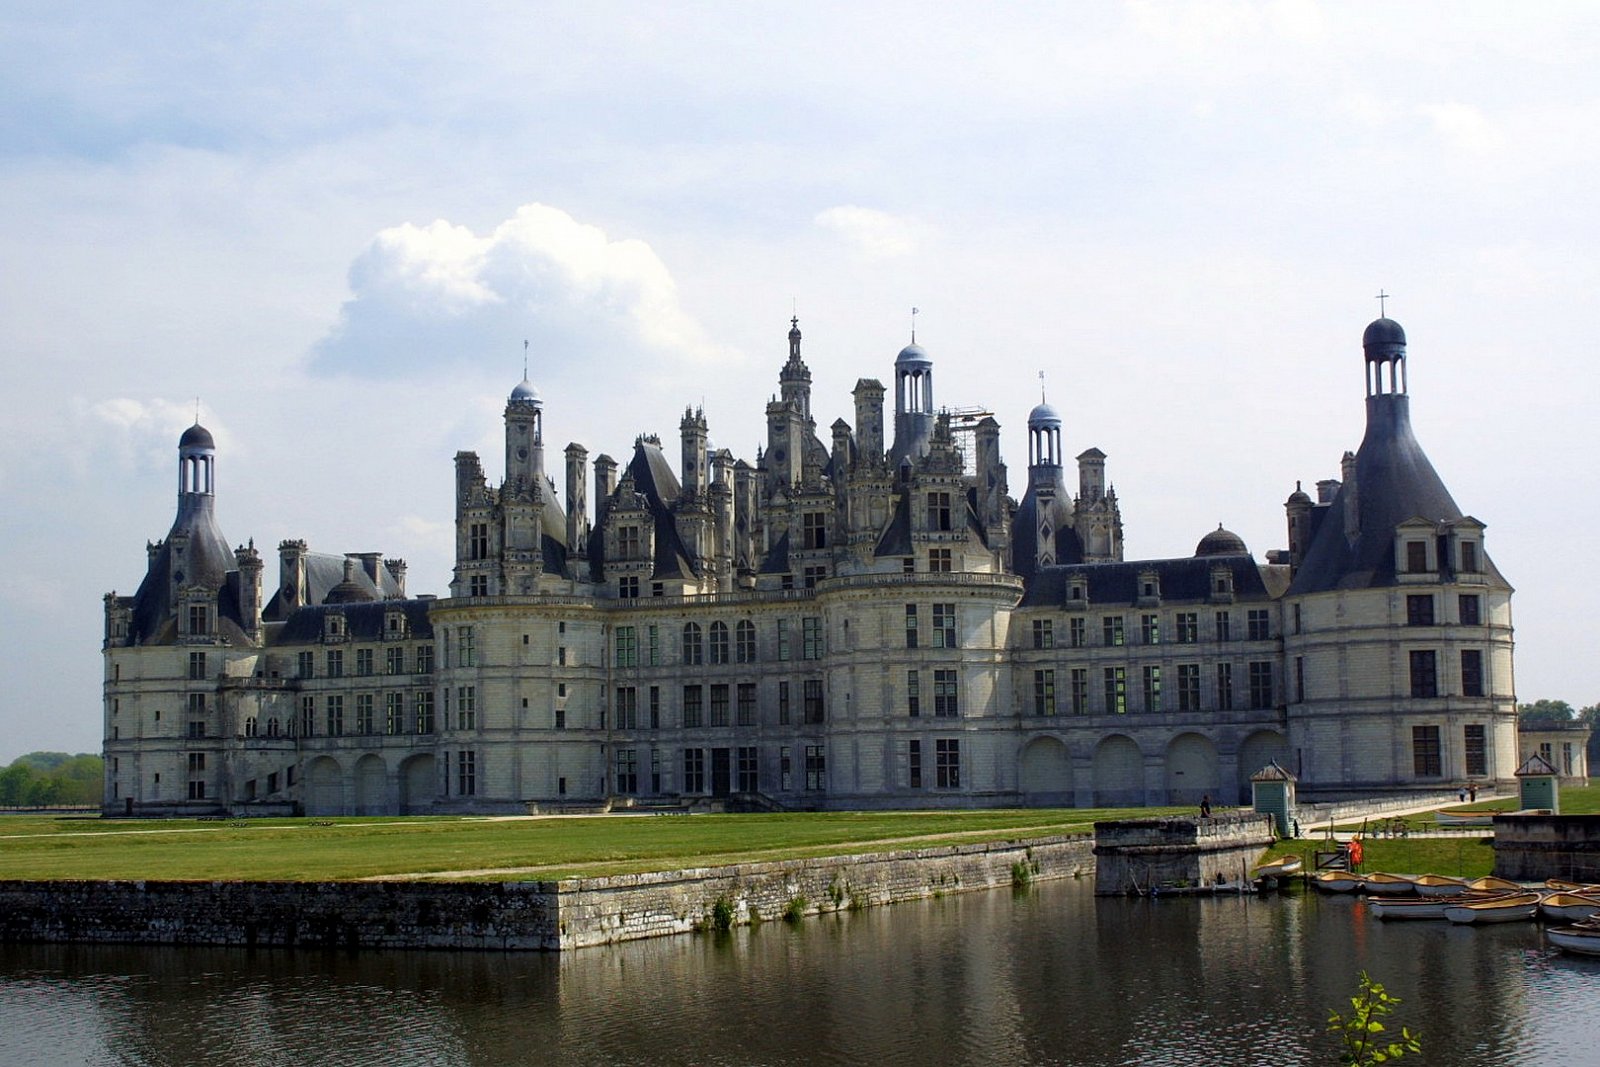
{"x":719,"y":642}
{"x":693,"y":650}
{"x":250,"y":726}
{"x":272,"y":728}
{"x":744,"y":641}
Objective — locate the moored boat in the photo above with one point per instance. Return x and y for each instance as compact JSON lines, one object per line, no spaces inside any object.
{"x":1389,"y":885}
{"x":1508,"y":908}
{"x":1439,"y":885}
{"x":1580,"y":940}
{"x":1408,"y":907}
{"x":1490,"y":884}
{"x":1336,"y":881}
{"x":1561,"y":885}
{"x":1281,"y":867}
{"x":1569,"y":907}
{"x":1464,"y":818}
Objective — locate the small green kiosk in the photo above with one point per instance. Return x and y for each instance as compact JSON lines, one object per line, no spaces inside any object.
{"x":1272,"y":792}
{"x":1537,"y":785}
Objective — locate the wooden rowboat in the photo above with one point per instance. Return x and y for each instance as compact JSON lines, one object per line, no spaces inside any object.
{"x":1510,"y":908}
{"x":1580,"y":940}
{"x":1408,"y":908}
{"x":1438,"y":885}
{"x":1490,"y":884}
{"x":1389,"y":885}
{"x":1569,"y":907}
{"x":1281,"y":867}
{"x":1561,"y":885}
{"x":1336,"y":881}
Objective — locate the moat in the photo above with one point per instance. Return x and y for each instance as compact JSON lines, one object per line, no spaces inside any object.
{"x":1048,"y":975}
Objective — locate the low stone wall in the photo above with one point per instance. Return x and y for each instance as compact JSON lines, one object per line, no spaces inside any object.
{"x":513,"y":915}
{"x":1371,"y":807}
{"x":1135,"y":855}
{"x":1531,"y":848}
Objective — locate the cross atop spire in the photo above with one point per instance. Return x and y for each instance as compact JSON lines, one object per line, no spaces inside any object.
{"x":524,"y":359}
{"x":914,"y":325}
{"x":1041,"y":387}
{"x":1381,"y":298}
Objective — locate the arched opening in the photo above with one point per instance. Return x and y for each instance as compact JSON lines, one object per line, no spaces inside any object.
{"x":418,"y":784}
{"x":1118,"y":773}
{"x":1046,"y":773}
{"x":1258,"y":750}
{"x":372,"y":786}
{"x":1192,"y":770}
{"x":324,"y":789}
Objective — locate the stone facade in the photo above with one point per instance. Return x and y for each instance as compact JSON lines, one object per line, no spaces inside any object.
{"x":1142,"y":855}
{"x":866,"y":621}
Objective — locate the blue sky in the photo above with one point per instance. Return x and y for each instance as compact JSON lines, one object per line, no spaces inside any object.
{"x":336,"y":226}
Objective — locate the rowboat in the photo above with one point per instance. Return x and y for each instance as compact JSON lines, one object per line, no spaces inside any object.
{"x":1490,"y":884}
{"x":1408,"y":908}
{"x":1389,"y":885}
{"x":1510,"y":908}
{"x":1569,"y":907}
{"x":1464,"y":818}
{"x":1561,"y":885}
{"x":1336,"y":881}
{"x":1281,"y":867}
{"x":1580,"y":940}
{"x":1438,"y":885}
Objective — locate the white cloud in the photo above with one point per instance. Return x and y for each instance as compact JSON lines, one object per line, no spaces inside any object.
{"x":875,"y":234}
{"x":1461,"y":126}
{"x":437,"y":294}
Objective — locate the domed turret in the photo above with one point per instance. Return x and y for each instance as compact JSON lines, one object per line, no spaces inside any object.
{"x":1220,"y":542}
{"x":348,"y":591}
{"x":1383,"y":333}
{"x":913,"y":355}
{"x":1043,"y":417}
{"x":197,"y":436}
{"x":525,"y":393}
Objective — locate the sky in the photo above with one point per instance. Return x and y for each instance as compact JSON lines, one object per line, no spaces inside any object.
{"x":330,"y":229}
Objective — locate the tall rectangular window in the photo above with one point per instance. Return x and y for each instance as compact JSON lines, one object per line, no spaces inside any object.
{"x":694,"y":770}
{"x":814,"y":529}
{"x":305,"y":665}
{"x":364,"y":661}
{"x":719,"y":642}
{"x":1152,"y":688}
{"x":783,"y":639}
{"x":1475,"y":749}
{"x":744,"y":642}
{"x":424,"y":713}
{"x":1044,"y":635}
{"x":911,"y":626}
{"x":197,"y":665}
{"x":1111,"y":631}
{"x":913,"y":694}
{"x":1470,"y":609}
{"x":1424,"y":673}
{"x":1426,"y":759}
{"x":394,"y":713}
{"x":478,"y":540}
{"x":812,"y":693}
{"x":628,"y":544}
{"x":335,"y":710}
{"x":627,"y":646}
{"x":654,"y":633}
{"x":1116,"y":684}
{"x":1150,"y":629}
{"x":748,"y":770}
{"x":811,"y":637}
{"x":466,"y":773}
{"x":816,"y":768}
{"x":944,"y":626}
{"x":627,"y":770}
{"x":1188,"y":627}
{"x":1469,"y":557}
{"x":424,"y":659}
{"x":1188,"y":687}
{"x":719,"y":704}
{"x":468,"y":647}
{"x":394,"y":659}
{"x":746,"y":709}
{"x":655,"y":707}
{"x":1224,"y":687}
{"x":693,"y":708}
{"x":945,"y":695}
{"x":1079,"y":681}
{"x":1300,"y":679}
{"x":1417,"y":556}
{"x":914,"y":764}
{"x":1224,"y":622}
{"x":1471,"y":672}
{"x":1258,"y":624}
{"x":1419,"y":609}
{"x":467,"y":707}
{"x":335,"y":660}
{"x":947,"y":763}
{"x":1076,"y":636}
{"x":1261,"y":684}
{"x":1044,"y":692}
{"x":366,"y":720}
{"x":783,"y":704}
{"x":939,"y":511}
{"x":627,"y":707}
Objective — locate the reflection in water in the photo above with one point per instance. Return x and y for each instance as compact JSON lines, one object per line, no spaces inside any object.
{"x":1047,"y":976}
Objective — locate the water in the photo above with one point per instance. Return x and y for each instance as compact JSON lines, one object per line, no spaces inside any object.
{"x":1048,"y":976}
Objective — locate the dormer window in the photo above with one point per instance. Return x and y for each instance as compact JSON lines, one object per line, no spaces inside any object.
{"x":333,"y":628}
{"x":1469,"y":557}
{"x":1417,"y":557}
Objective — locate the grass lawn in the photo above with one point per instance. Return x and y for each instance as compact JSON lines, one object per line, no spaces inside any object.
{"x":39,"y":847}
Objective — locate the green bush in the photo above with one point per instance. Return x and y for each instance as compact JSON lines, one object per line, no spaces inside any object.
{"x":722,"y":914}
{"x":796,"y":910}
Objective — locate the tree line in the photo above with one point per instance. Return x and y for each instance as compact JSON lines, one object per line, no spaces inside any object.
{"x":52,"y":779}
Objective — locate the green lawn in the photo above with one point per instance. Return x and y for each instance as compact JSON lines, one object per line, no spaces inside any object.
{"x":35,"y":847}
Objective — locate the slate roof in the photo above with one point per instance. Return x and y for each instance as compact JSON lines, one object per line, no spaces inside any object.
{"x":363,"y":622}
{"x":1394,"y":482}
{"x":1110,"y":584}
{"x":325,"y":571}
{"x":207,"y":562}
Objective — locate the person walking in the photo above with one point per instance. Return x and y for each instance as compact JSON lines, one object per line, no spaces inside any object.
{"x":1205,"y":806}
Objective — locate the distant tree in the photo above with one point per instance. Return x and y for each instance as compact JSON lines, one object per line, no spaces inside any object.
{"x":1546,"y":711}
{"x":49,"y":779}
{"x":43,"y":761}
{"x":14,"y":783}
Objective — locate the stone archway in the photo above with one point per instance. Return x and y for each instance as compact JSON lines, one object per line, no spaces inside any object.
{"x":1046,"y":773}
{"x":1118,"y":773}
{"x":1192,"y":770}
{"x":372,"y":786}
{"x":419,"y":784}
{"x":1258,"y":750}
{"x":324,"y":787}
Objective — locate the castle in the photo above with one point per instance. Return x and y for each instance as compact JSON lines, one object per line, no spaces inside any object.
{"x":850,"y":623}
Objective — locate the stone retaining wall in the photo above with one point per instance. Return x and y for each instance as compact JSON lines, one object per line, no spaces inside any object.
{"x":512,"y":915}
{"x":1136,"y":855}
{"x":1531,"y":848}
